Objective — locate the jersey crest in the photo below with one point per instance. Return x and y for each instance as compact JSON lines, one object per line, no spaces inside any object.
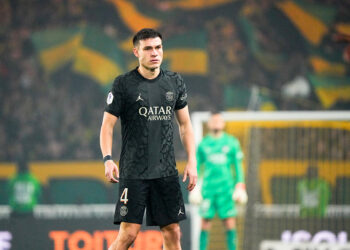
{"x":169,"y":96}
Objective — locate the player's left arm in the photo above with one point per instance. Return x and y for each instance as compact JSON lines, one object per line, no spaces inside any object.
{"x":237,"y":157}
{"x":239,"y":193}
{"x":187,"y":138}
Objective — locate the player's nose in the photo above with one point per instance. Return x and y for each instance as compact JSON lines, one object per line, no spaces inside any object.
{"x":154,"y":52}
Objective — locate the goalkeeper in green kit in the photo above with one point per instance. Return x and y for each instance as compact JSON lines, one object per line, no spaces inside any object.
{"x":219,"y":164}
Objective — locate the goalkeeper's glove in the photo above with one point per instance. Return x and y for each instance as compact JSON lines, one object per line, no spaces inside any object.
{"x":240,"y":194}
{"x":195,"y":196}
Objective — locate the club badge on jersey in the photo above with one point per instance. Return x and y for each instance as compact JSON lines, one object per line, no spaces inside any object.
{"x":169,"y":96}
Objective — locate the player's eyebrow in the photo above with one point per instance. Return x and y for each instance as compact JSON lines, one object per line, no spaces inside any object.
{"x":151,"y":47}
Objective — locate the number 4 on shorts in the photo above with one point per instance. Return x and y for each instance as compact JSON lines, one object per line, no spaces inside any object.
{"x":124,"y":196}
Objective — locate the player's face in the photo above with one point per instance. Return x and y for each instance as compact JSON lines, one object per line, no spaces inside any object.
{"x":150,"y":53}
{"x":216,"y":123}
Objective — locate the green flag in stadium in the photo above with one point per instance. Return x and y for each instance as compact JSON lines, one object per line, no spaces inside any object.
{"x":330,"y":89}
{"x":271,"y":61}
{"x":98,"y":57}
{"x":187,"y":53}
{"x":321,"y":65}
{"x":133,"y":17}
{"x":312,"y":20}
{"x":56,"y":47}
{"x":192,"y":4}
{"x":343,"y":28}
{"x":238,"y":97}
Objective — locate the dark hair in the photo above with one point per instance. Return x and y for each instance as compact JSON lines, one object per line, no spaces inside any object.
{"x":215,"y":112}
{"x":145,"y":34}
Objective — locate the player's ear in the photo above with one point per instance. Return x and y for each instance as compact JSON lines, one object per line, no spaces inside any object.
{"x":136,"y":52}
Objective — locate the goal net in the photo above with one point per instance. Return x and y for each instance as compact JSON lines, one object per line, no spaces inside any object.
{"x":297,"y":171}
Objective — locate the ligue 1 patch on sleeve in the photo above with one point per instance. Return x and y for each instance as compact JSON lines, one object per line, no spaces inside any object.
{"x":110,"y":98}
{"x":183,"y":97}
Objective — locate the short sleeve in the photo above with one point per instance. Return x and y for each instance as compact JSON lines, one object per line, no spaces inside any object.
{"x":114,"y":102}
{"x":181,"y":101}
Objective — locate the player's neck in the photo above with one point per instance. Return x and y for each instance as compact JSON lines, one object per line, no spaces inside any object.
{"x":148,"y":73}
{"x":217,"y":134}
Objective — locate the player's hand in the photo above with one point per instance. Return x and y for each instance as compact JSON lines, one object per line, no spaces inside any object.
{"x":240,"y":193}
{"x":111,"y":171}
{"x":190,"y":172}
{"x":195,"y":196}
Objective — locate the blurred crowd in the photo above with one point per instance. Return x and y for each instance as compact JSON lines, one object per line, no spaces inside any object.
{"x":58,"y":117}
{"x":49,"y":118}
{"x":306,"y":143}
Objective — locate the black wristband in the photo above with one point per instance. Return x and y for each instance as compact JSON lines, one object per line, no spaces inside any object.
{"x":107,"y":158}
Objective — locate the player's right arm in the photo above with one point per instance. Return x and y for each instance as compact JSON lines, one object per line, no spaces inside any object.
{"x":106,"y":141}
{"x":240,"y":193}
{"x":237,"y":158}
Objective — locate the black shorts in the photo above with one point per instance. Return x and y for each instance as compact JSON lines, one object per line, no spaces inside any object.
{"x":162,"y":197}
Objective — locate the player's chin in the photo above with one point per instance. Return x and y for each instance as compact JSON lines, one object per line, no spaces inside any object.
{"x":155,"y":64}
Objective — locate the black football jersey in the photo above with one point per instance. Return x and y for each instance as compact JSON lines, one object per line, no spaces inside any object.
{"x":146,"y":109}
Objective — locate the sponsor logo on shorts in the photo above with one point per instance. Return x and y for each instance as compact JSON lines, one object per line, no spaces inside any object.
{"x":180,"y":212}
{"x":123,"y":211}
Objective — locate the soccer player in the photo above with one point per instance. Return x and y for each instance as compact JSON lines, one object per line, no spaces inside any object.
{"x":314,"y":194}
{"x":146,"y":100}
{"x":24,"y":190}
{"x":219,"y":158}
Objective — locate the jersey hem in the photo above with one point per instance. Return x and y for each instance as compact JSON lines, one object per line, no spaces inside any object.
{"x":112,"y":113}
{"x":180,"y":107}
